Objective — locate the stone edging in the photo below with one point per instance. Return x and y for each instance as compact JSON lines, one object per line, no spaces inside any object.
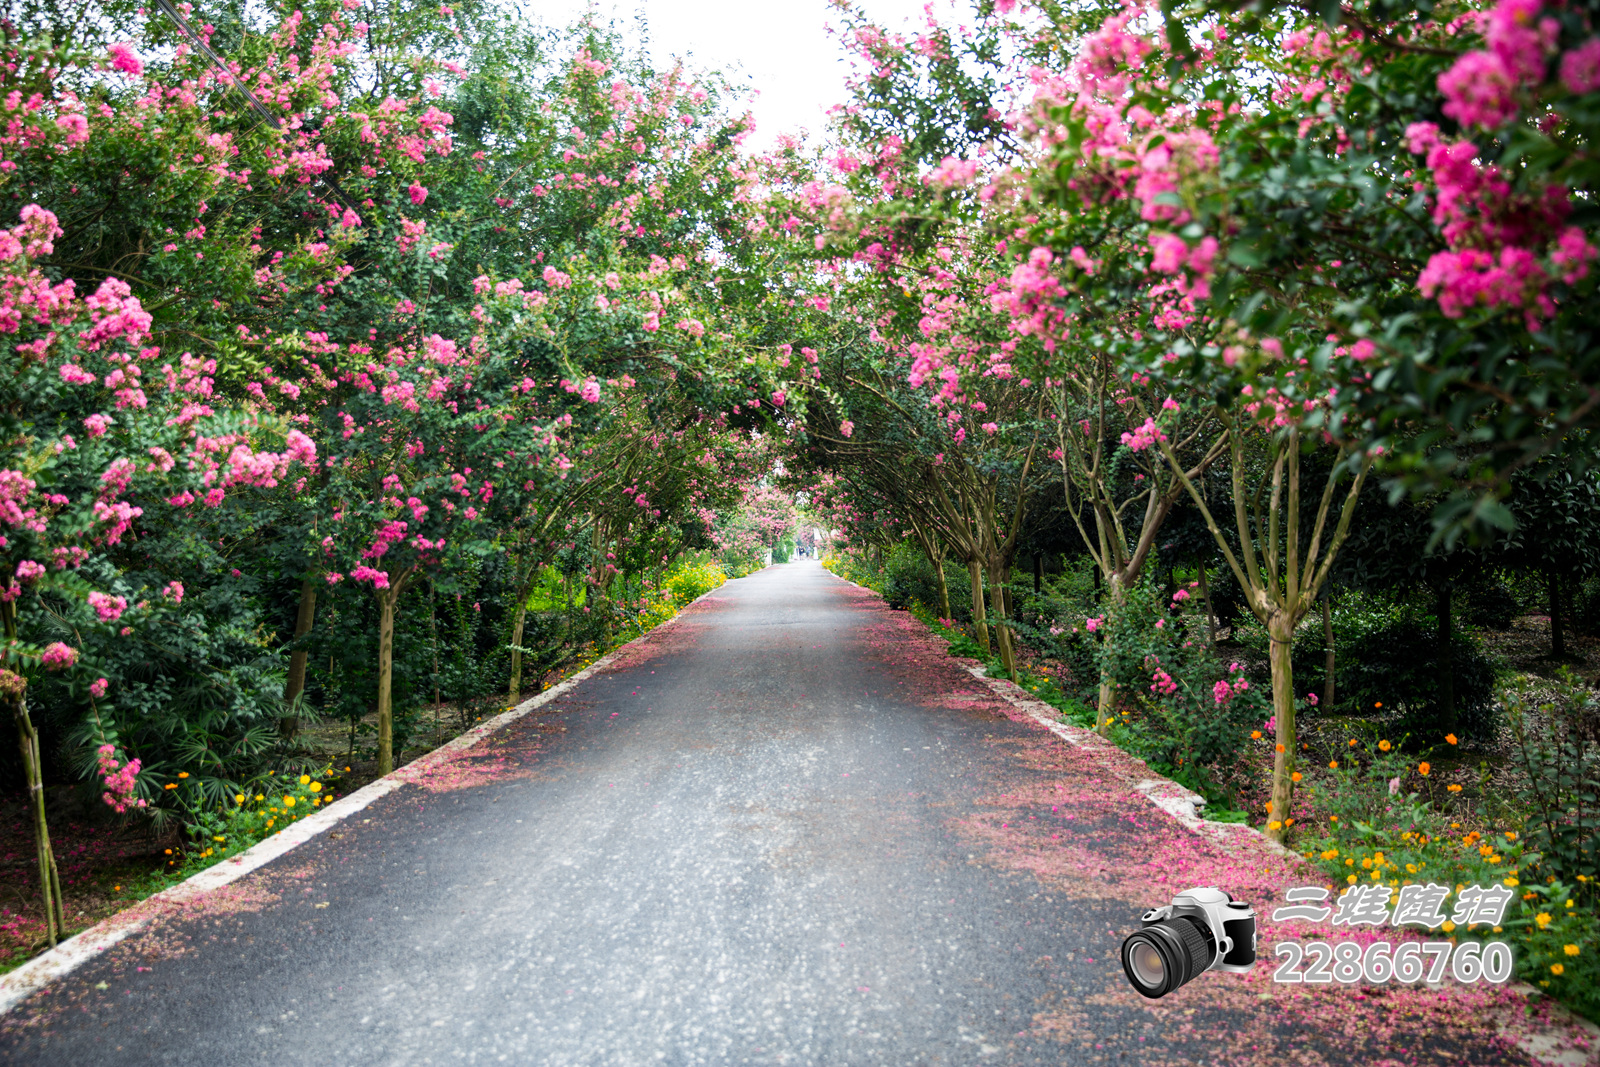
{"x":83,"y":946}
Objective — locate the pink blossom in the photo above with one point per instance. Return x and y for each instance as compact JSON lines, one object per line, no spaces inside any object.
{"x":847,"y":428}
{"x":174,"y":592}
{"x":75,"y":375}
{"x":1573,"y":252}
{"x":1222,"y":692}
{"x":123,"y":59}
{"x":1521,"y":40}
{"x":779,"y":398}
{"x":109,"y":608}
{"x":1421,"y":137}
{"x":29,"y":571}
{"x":1478,"y":91}
{"x":417,"y":193}
{"x":98,"y":687}
{"x":58,"y":656}
{"x":379,"y":579}
{"x":1093,"y":624}
{"x":1168,"y":253}
{"x":590,"y":391}
{"x":1580,"y":68}
{"x":97,"y":424}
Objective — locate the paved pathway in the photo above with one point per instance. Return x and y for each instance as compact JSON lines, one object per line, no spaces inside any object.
{"x":783,"y":830}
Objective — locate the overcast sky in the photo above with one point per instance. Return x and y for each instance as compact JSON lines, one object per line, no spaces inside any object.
{"x":779,"y":48}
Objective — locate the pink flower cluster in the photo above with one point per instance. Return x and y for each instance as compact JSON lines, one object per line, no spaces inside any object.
{"x":1143,"y":437}
{"x":58,"y":656}
{"x":120,"y":780}
{"x":108,"y":607}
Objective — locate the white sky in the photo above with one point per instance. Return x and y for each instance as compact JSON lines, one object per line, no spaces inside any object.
{"x":780,"y":49}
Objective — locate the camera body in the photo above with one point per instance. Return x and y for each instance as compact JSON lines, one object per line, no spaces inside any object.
{"x":1203,"y":929}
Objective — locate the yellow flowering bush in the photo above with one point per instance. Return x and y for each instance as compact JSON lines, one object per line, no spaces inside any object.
{"x":273,"y":803}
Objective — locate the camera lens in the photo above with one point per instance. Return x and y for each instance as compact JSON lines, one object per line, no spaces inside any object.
{"x":1167,"y":954}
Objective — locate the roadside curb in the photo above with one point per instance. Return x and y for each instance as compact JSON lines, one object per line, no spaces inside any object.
{"x":85,"y":945}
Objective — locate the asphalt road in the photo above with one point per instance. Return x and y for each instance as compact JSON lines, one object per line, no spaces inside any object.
{"x":759,"y":839}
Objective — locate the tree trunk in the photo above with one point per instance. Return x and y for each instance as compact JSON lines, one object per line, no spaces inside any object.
{"x":1446,"y":665}
{"x":386,"y":601}
{"x":516,"y":652}
{"x":292,"y":692}
{"x":1327,"y":650}
{"x":1280,"y":629}
{"x":1107,"y":705}
{"x":997,"y":593}
{"x":944,"y":588}
{"x":1558,"y":637}
{"x":33,"y":773}
{"x":1211,"y":615}
{"x":980,"y":625}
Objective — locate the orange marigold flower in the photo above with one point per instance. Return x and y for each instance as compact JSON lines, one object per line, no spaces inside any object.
{"x":1255,"y":735}
{"x":1453,"y":787}
{"x":1280,"y":748}
{"x":1423,"y":769}
{"x":1450,"y":738}
{"x":1334,"y":764}
{"x":1383,"y":746}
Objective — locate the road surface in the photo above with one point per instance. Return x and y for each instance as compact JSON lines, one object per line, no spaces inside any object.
{"x":783,"y":830}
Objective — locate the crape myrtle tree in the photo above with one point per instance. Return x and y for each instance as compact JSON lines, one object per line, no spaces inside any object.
{"x":1367,"y":235}
{"x":270,"y":283}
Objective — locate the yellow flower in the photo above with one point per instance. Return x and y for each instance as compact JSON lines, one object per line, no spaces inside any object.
{"x":1571,"y":950}
{"x":1569,"y":903}
{"x":1453,"y":788}
{"x":1543,"y":919}
{"x":1558,"y":968}
{"x":1511,"y":883}
{"x":1274,"y":825}
{"x":1351,"y":862}
{"x":1448,"y":926}
{"x":259,"y":798}
{"x":1383,"y":746}
{"x":1411,"y":868}
{"x":316,"y":787}
{"x":1350,"y":878}
{"x":219,"y":839}
{"x":288,"y":802}
{"x":1511,"y":835}
{"x":304,"y":779}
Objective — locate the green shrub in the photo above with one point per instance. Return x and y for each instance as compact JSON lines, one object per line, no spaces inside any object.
{"x":1397,"y":665}
{"x":1559,"y":754}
